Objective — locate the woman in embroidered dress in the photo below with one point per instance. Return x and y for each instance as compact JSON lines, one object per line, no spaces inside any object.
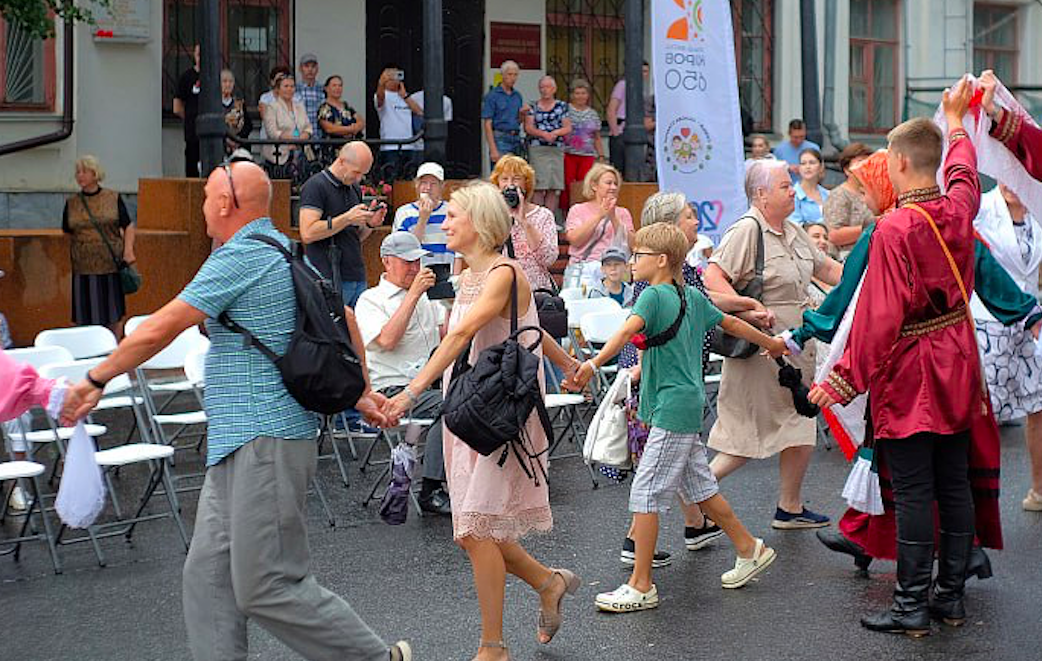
{"x":493,"y":507}
{"x":1012,"y":363}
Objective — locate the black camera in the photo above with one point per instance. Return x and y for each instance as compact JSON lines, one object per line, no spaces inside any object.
{"x":513,"y":196}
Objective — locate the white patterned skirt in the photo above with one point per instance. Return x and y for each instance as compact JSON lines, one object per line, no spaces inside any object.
{"x":1012,"y":369}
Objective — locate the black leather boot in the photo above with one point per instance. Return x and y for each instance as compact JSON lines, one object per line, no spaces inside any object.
{"x":952,"y":559}
{"x":835,"y":541}
{"x":910,"y":612}
{"x":978,"y":565}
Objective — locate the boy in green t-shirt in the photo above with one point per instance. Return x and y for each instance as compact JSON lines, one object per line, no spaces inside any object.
{"x":672,"y":394}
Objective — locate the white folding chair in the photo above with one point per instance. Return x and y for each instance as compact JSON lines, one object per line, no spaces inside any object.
{"x":81,"y":341}
{"x":598,"y":328}
{"x":571,"y":294}
{"x":171,"y":359}
{"x":28,"y":473}
{"x":574,"y":429}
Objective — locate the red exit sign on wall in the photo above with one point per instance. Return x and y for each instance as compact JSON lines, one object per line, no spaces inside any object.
{"x":521,"y":42}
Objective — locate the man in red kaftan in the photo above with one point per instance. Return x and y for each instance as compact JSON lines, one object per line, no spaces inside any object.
{"x":912,"y":344}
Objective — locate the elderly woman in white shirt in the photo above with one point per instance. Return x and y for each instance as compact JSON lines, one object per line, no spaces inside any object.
{"x":285,"y":119}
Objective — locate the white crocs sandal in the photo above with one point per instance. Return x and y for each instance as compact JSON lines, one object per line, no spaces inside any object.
{"x":745,"y":569}
{"x":627,"y":599}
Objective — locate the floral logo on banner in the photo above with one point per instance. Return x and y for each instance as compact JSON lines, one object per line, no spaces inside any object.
{"x":691,"y":25}
{"x":687,"y":145}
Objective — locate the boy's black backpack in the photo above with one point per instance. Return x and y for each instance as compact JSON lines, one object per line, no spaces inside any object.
{"x":320,"y":368}
{"x":488,"y":404}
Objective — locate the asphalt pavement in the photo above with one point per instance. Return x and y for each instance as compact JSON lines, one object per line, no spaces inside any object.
{"x":412,"y":582}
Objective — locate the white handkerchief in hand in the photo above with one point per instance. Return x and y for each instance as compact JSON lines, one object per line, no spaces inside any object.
{"x":81,"y":495}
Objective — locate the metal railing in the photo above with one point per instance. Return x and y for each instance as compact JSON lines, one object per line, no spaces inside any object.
{"x":308,"y":157}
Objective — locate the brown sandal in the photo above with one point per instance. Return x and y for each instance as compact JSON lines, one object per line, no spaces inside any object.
{"x":550,"y":621}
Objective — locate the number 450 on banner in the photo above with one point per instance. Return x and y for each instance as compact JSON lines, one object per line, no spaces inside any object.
{"x":698,"y":127}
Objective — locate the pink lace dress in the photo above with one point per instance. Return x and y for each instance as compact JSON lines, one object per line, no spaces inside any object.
{"x":490,"y":502}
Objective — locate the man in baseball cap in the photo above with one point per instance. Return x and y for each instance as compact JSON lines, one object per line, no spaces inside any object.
{"x":400,"y":328}
{"x":309,"y":89}
{"x":423,"y":218}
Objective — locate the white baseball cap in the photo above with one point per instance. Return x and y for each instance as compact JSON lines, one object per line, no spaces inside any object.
{"x":433,"y":169}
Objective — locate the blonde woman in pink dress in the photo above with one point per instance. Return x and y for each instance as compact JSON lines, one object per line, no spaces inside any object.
{"x":493,"y":507}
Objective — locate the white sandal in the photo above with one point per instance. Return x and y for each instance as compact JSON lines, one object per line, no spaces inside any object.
{"x":745,"y":569}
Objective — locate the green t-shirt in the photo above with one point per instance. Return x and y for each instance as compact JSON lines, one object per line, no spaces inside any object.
{"x":672,"y":393}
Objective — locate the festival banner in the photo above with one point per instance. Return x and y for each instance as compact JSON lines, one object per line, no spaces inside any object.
{"x":698,"y":124}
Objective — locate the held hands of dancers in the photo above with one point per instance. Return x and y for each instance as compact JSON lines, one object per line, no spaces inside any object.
{"x":988,"y":84}
{"x":772,"y":346}
{"x":820,"y":397}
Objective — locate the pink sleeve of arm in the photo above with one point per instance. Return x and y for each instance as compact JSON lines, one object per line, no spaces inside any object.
{"x":24,"y":388}
{"x":548,"y":249}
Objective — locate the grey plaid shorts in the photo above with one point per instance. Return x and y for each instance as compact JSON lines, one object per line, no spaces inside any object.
{"x":673,"y":464}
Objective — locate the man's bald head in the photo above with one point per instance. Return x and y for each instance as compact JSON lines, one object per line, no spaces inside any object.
{"x":353,"y":163}
{"x":236,"y":194}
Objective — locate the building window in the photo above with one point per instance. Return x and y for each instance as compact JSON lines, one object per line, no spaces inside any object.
{"x":584,"y":39}
{"x":26,"y":70}
{"x":873,"y":65}
{"x":255,"y":37}
{"x":754,"y":41}
{"x":995,"y":43}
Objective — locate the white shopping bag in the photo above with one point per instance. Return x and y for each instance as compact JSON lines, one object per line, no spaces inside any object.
{"x":607,"y":441}
{"x":81,"y":495}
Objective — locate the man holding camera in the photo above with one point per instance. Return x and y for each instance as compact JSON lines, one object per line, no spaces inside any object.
{"x":334,"y":222}
{"x":395,"y":109}
{"x":400,"y":328}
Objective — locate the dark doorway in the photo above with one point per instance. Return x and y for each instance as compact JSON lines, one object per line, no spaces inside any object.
{"x":394,"y":35}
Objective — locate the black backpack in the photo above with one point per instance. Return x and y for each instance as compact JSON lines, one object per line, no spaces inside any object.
{"x":320,"y":368}
{"x":488,"y":404}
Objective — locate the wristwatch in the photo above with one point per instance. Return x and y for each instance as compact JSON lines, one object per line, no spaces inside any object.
{"x":100,"y":385}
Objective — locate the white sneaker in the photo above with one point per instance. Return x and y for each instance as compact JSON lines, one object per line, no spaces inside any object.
{"x":745,"y":569}
{"x":18,"y":502}
{"x":626,"y":599}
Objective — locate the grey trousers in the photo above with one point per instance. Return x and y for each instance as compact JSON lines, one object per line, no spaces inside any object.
{"x":428,"y":405}
{"x":249,"y":559}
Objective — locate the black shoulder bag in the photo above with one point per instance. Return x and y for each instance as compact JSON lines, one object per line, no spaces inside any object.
{"x":487,"y":404}
{"x":553,"y":315}
{"x":728,"y":345}
{"x":129,"y":278}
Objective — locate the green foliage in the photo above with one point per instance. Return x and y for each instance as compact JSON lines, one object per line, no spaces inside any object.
{"x":37,"y":17}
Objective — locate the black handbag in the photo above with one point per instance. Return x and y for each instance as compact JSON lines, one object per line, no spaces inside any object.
{"x":727,"y":345}
{"x":129,"y":278}
{"x":487,"y":404}
{"x":553,"y":315}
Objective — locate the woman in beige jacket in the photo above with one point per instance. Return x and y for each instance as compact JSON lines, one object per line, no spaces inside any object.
{"x":285,"y":119}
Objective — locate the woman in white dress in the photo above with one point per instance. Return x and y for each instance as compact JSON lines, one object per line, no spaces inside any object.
{"x":1012,"y":364}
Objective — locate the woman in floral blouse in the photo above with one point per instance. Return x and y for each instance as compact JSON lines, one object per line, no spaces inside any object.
{"x":583,"y":145}
{"x":546,"y":126}
{"x":533,"y":234}
{"x":336,"y":119}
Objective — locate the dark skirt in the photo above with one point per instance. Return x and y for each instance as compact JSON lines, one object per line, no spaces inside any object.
{"x":97,"y":300}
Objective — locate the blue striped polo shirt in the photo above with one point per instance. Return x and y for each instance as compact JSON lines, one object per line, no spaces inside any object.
{"x":433,"y":239}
